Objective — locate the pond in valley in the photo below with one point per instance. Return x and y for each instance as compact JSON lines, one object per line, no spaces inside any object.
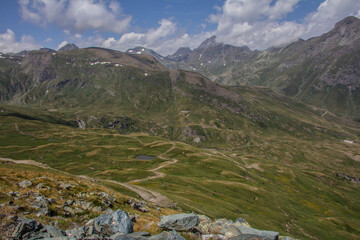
{"x":144,"y":157}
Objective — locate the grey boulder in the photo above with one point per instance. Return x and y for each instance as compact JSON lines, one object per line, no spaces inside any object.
{"x":179,"y":222}
{"x":25,"y":184}
{"x":112,"y":223}
{"x":30,"y":229}
{"x":24,"y":227}
{"x":249,"y":237}
{"x":174,"y":236}
{"x":252,"y":231}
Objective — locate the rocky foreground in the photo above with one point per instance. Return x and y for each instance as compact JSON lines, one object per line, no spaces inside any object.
{"x":117,"y":225}
{"x":44,"y":205}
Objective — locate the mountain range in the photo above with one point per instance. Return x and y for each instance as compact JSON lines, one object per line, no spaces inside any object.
{"x":322,"y":71}
{"x":237,"y":143}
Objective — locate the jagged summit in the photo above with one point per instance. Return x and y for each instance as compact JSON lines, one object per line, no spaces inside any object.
{"x":183,"y":51}
{"x":210,"y":42}
{"x":68,"y":47}
{"x":47,"y":50}
{"x":348,"y":21}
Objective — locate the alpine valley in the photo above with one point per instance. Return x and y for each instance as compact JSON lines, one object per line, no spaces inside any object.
{"x":269,"y":136}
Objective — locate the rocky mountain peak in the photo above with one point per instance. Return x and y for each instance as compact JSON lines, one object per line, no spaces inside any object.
{"x":47,"y":50}
{"x":348,"y":21}
{"x":68,"y":47}
{"x":183,"y":51}
{"x":210,"y":42}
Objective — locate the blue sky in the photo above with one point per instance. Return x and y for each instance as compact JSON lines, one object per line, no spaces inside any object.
{"x":165,"y":25}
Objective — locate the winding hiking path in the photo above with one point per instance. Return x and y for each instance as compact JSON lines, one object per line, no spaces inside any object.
{"x":27,"y":162}
{"x":150,"y":195}
{"x":156,"y":170}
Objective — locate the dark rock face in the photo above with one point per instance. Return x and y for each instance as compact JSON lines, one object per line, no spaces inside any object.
{"x":68,"y":47}
{"x":180,"y":55}
{"x":30,"y":229}
{"x":180,"y":222}
{"x":47,"y":50}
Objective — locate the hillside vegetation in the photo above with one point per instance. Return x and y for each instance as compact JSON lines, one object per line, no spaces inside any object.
{"x":217,"y":150}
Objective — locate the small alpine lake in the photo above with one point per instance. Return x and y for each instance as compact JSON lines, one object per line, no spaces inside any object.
{"x":144,"y":157}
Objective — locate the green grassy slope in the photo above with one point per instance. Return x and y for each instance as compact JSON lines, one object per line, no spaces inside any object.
{"x":240,"y":151}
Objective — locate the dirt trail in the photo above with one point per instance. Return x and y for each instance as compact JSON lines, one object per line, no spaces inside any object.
{"x":326,"y":112}
{"x":156,"y":170}
{"x":149,"y":195}
{"x":146,"y":194}
{"x":26,"y":162}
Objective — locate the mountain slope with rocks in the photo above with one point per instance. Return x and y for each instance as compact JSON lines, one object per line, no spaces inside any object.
{"x":323,"y":71}
{"x":82,"y":208}
{"x":140,"y":128}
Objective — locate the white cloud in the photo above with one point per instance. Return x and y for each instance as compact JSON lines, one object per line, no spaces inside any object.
{"x":261,"y":24}
{"x":155,"y":38}
{"x":76,"y":16}
{"x":8,"y":42}
{"x":328,"y":14}
{"x":62,"y":45}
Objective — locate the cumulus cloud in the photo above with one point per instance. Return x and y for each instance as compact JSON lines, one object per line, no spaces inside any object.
{"x":76,"y":16}
{"x":163,"y":39}
{"x":328,"y":14}
{"x":262,"y":24}
{"x":8,"y":42}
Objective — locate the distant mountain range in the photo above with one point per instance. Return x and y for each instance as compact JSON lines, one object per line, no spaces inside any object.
{"x":323,"y":71}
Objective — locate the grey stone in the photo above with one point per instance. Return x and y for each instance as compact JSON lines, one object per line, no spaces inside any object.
{"x":179,"y":222}
{"x":139,"y":234}
{"x":250,"y":237}
{"x":13,"y":194}
{"x":138,"y":205}
{"x":25,"y":184}
{"x":242,"y":221}
{"x":42,"y":204}
{"x":95,"y":237}
{"x":66,"y":186}
{"x":248,"y":230}
{"x":161,"y":236}
{"x":174,"y":236}
{"x":115,"y":222}
{"x":69,"y":211}
{"x":213,"y":237}
{"x":204,"y":218}
{"x":83,"y":204}
{"x":106,"y":196}
{"x":24,"y":226}
{"x":122,"y":237}
{"x":54,"y":232}
{"x":230,"y":231}
{"x":78,"y":233}
{"x":59,"y":238}
{"x":286,"y":238}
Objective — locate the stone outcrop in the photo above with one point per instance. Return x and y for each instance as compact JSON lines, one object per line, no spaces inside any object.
{"x":116,"y":225}
{"x":179,"y":222}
